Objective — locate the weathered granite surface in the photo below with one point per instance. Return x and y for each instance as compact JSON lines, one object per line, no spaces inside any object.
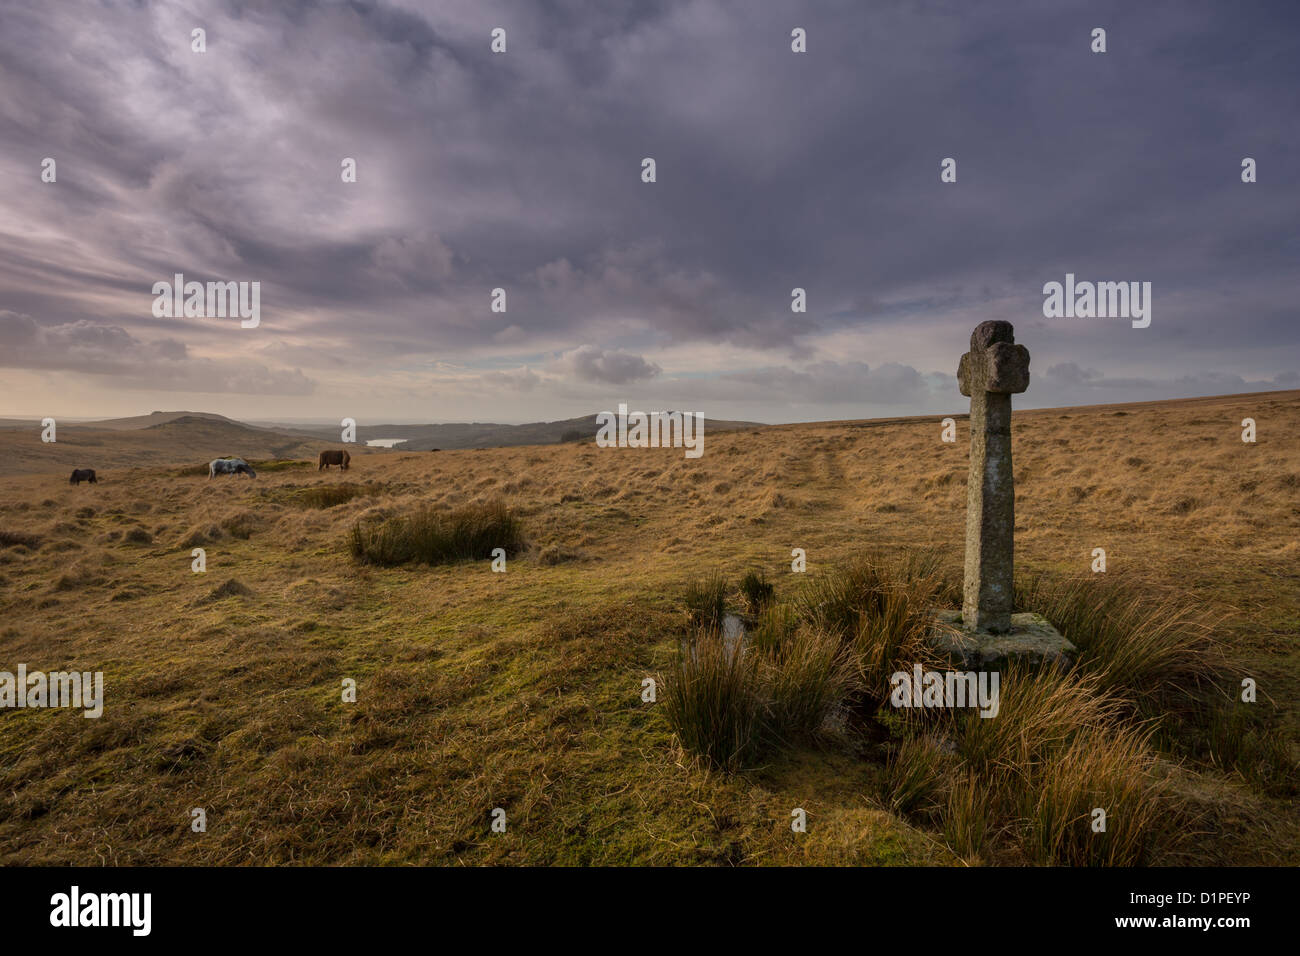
{"x":1030,"y":639}
{"x":993,"y":369}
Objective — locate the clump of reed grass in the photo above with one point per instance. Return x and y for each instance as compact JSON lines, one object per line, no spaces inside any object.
{"x":1097,"y":802}
{"x":1238,"y":741}
{"x":733,"y":700}
{"x":241,"y":525}
{"x":968,"y":814}
{"x":1039,"y":712}
{"x":1060,"y":747}
{"x":706,"y":601}
{"x":714,"y":702}
{"x":10,"y":539}
{"x":1156,"y":653}
{"x":915,"y":778}
{"x":775,"y":625}
{"x":757,"y":591}
{"x":431,"y":536}
{"x":804,"y":679}
{"x":882,"y":609}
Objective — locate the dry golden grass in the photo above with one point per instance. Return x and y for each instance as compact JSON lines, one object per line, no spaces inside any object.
{"x":523,"y":690}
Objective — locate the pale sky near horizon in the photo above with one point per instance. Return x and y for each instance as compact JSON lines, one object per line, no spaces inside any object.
{"x":522,"y":170}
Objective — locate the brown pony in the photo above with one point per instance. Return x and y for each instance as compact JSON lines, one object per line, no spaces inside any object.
{"x":83,"y":474}
{"x":337,"y":456}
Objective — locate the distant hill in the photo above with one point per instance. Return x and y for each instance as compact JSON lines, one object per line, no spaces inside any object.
{"x":179,"y":438}
{"x":489,"y":434}
{"x":184,"y":437}
{"x":154,"y":419}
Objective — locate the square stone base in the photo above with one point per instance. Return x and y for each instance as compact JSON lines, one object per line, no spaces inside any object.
{"x":1031,"y":640}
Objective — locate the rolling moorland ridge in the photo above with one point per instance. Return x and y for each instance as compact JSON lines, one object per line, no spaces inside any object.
{"x":522,"y":690}
{"x":191,"y":429}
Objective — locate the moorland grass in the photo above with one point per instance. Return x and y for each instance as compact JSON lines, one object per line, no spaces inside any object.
{"x":437,"y":536}
{"x":706,"y":601}
{"x":522,"y":690}
{"x":1063,"y":745}
{"x":1158,"y":653}
{"x":736,"y":706}
{"x":331,"y":496}
{"x":757,"y":591}
{"x":714,"y":701}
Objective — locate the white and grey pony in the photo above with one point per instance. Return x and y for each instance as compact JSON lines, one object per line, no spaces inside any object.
{"x":229,"y":466}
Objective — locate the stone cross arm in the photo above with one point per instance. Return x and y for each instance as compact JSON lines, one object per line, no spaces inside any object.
{"x":994,"y":363}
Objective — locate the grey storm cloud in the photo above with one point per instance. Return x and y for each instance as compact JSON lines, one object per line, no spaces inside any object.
{"x":111,"y":352}
{"x":831,"y":383}
{"x":590,"y":364}
{"x":1070,"y":374}
{"x":775,"y":170}
{"x":1073,"y":380}
{"x":519,"y":380}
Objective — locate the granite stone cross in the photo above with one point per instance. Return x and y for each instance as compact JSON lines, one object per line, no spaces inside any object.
{"x":992,"y":371}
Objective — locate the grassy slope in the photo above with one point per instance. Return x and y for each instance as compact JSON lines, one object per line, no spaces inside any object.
{"x":479,"y":690}
{"x":117,"y":454}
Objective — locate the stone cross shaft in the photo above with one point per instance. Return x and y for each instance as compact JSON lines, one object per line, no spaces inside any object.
{"x":992,"y":371}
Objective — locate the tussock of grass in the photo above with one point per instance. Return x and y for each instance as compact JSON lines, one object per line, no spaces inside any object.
{"x":734,"y":706}
{"x":230,"y":588}
{"x":778,"y":684}
{"x":968,"y":815}
{"x":804,"y":678}
{"x":915,"y":777}
{"x":1038,"y":713}
{"x":869,"y":588}
{"x":1239,"y":742}
{"x":241,"y":525}
{"x":757,"y":591}
{"x":554,"y":554}
{"x":1158,"y":654}
{"x":774,"y":627}
{"x":330,"y":496}
{"x":1058,"y":749}
{"x":882,"y":609}
{"x":10,"y":539}
{"x":433,"y":536}
{"x":198,"y":537}
{"x":713,"y":701}
{"x":1103,"y":769}
{"x":706,"y":602}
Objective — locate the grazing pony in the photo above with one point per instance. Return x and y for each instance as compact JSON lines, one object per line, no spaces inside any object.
{"x":229,"y":466}
{"x":83,"y":474}
{"x":337,"y":456}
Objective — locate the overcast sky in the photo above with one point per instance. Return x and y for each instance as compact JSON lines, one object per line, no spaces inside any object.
{"x":522,"y":170}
